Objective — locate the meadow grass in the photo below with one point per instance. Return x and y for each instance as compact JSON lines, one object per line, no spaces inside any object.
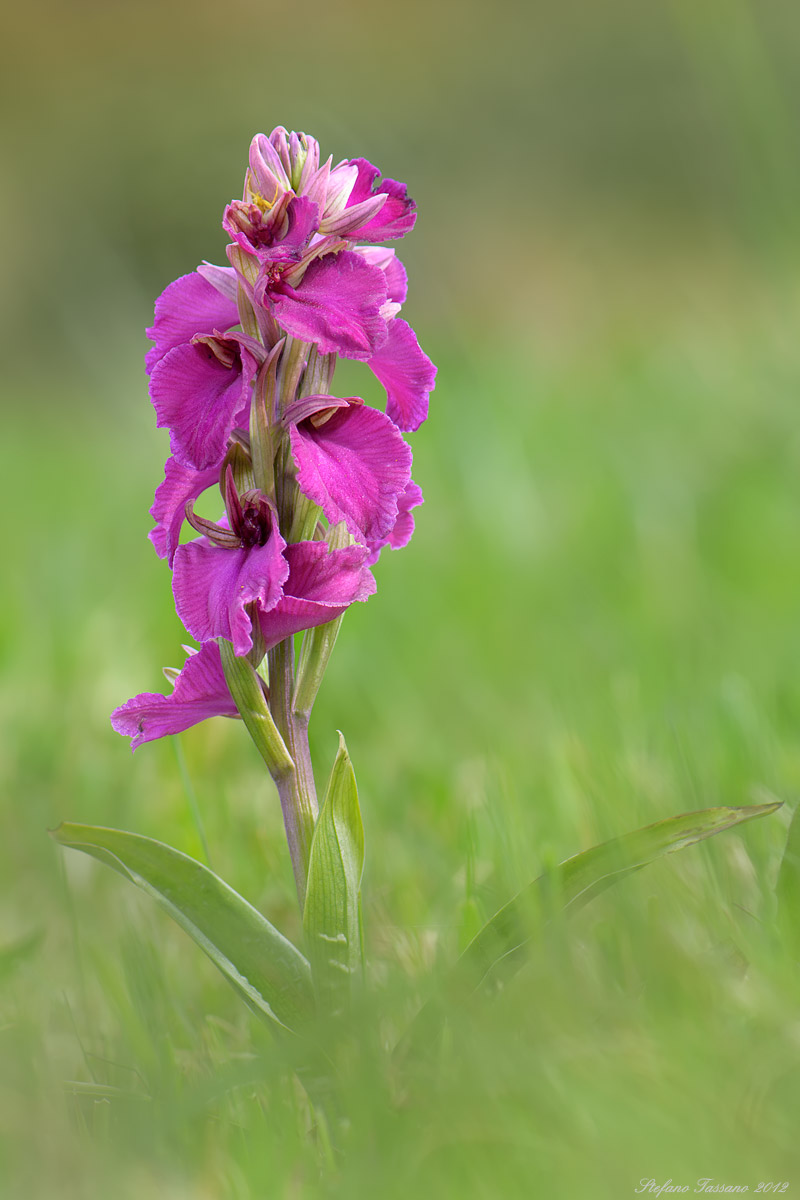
{"x":594,"y":627}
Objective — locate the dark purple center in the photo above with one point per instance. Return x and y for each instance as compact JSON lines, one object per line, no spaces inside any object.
{"x":255,"y":528}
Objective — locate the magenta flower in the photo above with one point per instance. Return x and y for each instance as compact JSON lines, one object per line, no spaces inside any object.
{"x":279,"y":234}
{"x":349,"y":198}
{"x":217,"y":577}
{"x":200,"y":692}
{"x":394,"y":273}
{"x":321,"y":585}
{"x":400,"y":533}
{"x":296,"y":225}
{"x":181,"y":485}
{"x":190,"y":305}
{"x":240,"y":375}
{"x":405,"y":371}
{"x":201,"y":392}
{"x":351,"y":461}
{"x":407,"y":374}
{"x":335,"y":302}
{"x":397,"y":215}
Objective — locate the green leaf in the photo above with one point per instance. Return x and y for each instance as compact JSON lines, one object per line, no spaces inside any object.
{"x":332,"y":915}
{"x":496,"y":950}
{"x":787,"y":886}
{"x":267,"y":970}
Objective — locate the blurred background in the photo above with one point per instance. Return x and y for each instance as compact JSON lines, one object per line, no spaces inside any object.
{"x":594,"y":627}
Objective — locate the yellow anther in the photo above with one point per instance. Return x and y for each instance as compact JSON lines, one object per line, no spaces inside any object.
{"x":264,"y":204}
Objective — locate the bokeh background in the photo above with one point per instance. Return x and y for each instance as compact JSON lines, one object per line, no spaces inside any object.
{"x":594,"y":627}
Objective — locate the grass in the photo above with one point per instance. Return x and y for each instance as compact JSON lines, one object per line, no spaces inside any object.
{"x":594,"y":627}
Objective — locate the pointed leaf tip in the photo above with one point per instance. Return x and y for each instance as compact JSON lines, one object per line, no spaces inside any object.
{"x":496,"y":950}
{"x":332,"y":915}
{"x":578,"y":879}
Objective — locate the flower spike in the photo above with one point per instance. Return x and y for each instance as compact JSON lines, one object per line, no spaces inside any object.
{"x":311,"y":486}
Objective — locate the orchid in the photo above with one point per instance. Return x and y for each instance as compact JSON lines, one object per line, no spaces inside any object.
{"x":310,"y":485}
{"x":218,"y":577}
{"x":306,"y":489}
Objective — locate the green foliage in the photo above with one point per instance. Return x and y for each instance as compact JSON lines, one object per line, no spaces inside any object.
{"x":332,"y":913}
{"x":496,"y":951}
{"x":268,"y":972}
{"x":787,"y":888}
{"x":625,"y":645}
{"x":599,"y":608}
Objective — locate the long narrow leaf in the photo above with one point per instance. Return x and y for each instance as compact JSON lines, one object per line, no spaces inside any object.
{"x":332,"y":916}
{"x":267,"y":970}
{"x":787,"y":886}
{"x":496,"y":948}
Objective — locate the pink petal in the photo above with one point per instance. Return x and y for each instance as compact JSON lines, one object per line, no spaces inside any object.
{"x":180,"y":484}
{"x":396,"y":277}
{"x":352,"y":218}
{"x":212,"y":587}
{"x":354,"y":466}
{"x":188,"y":306}
{"x":322,"y":584}
{"x":268,"y":171}
{"x":200,"y":692}
{"x":222,"y":279}
{"x":336,"y":305}
{"x":398,"y":214}
{"x":302,"y":218}
{"x":400,"y":534}
{"x":407,"y":374}
{"x":201,"y":400}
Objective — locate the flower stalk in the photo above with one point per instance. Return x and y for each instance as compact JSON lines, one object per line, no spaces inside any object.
{"x":296,"y":787}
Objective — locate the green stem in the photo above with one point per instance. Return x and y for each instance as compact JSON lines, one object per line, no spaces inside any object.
{"x":276,"y":738}
{"x":296,"y":788}
{"x":262,"y":415}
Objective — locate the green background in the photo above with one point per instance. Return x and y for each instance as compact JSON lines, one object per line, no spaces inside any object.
{"x":594,"y":627}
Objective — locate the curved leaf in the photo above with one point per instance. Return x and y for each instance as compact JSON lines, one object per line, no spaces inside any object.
{"x":496,"y":948}
{"x":787,"y":886}
{"x":267,"y":970}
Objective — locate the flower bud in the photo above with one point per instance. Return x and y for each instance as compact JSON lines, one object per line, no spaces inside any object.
{"x":267,"y":177}
{"x":297,"y":154}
